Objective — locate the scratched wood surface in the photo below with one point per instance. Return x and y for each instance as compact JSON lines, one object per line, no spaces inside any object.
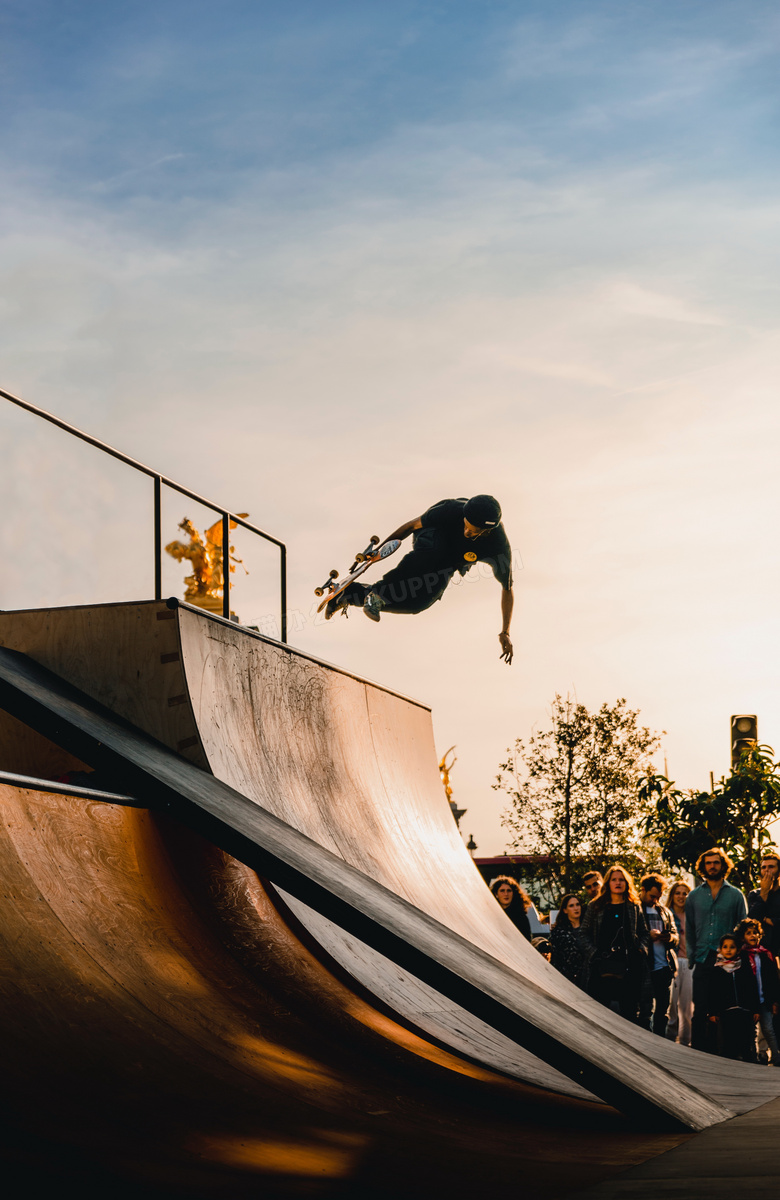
{"x":111,"y":653}
{"x":166,"y":1026}
{"x":352,"y":766}
{"x":536,"y":1019}
{"x":127,"y":656}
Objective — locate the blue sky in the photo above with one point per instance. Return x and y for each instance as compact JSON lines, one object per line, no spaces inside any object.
{"x":213,"y":93}
{"x":522,"y":248}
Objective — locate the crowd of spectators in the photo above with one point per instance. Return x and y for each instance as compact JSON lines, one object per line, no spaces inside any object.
{"x":700,"y":968}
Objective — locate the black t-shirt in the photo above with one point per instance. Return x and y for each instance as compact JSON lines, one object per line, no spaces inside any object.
{"x":442,"y":535}
{"x":613,"y":928}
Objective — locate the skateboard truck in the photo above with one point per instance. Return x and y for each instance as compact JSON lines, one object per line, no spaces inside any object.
{"x":320,"y":591}
{"x":362,"y":555}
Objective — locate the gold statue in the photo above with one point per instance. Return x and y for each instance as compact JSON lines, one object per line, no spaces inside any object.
{"x":444,"y":774}
{"x":205,"y":584}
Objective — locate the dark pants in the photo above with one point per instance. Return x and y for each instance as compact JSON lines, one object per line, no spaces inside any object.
{"x":619,"y":994}
{"x":737,"y":1035}
{"x":654,"y":999}
{"x":415,"y":584}
{"x":701,"y":1038}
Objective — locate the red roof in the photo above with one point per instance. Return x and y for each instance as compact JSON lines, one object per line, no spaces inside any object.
{"x":524,"y":860}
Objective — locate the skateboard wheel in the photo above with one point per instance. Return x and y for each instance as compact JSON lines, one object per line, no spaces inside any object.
{"x":359,"y":558}
{"x":374,"y":540}
{"x":333,"y":573}
{"x":319,"y":591}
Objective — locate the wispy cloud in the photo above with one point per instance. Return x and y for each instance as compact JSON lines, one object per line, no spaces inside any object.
{"x":643,"y":302}
{"x":457,"y":293}
{"x":121,"y":176}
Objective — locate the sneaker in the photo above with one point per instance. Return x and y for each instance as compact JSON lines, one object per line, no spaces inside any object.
{"x":333,"y":606}
{"x":373,"y":605}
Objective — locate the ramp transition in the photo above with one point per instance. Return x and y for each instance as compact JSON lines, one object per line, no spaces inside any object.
{"x":327,"y":785}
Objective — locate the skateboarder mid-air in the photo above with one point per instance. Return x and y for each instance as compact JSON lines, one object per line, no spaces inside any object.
{"x":450,"y":536}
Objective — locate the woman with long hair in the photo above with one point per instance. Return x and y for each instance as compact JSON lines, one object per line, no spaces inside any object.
{"x":514,"y":902}
{"x":615,"y":926}
{"x":681,"y":1007}
{"x":571,"y":954}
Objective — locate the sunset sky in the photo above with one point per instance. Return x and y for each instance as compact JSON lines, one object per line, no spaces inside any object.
{"x":330,"y":262}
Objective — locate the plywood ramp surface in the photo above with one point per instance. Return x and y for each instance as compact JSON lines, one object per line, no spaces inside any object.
{"x":168,"y":1034}
{"x":353,"y":767}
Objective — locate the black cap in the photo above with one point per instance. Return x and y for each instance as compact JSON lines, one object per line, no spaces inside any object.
{"x":483,"y":511}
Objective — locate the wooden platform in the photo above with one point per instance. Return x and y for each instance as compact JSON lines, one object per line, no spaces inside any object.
{"x":168,"y":1034}
{"x":327,"y":786}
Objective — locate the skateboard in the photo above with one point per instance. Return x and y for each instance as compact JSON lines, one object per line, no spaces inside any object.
{"x":333,"y":586}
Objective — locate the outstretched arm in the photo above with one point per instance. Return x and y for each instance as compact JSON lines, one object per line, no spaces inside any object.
{"x":404,"y":530}
{"x":507,"y":604}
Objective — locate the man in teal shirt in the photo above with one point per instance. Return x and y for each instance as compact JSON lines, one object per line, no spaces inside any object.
{"x":712,"y":909}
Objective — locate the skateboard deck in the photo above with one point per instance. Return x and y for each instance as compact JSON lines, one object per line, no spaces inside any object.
{"x":373,"y":553}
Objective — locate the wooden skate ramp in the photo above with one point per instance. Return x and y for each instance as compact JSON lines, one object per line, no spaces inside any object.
{"x":381,"y":879}
{"x":168,"y":1034}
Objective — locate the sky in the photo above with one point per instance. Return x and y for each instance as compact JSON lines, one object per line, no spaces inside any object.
{"x":329,"y":263}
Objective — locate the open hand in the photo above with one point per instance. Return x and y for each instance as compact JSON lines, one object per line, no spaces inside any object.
{"x":507,"y":653}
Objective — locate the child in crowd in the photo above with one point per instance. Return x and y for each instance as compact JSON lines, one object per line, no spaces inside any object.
{"x":732,"y":1002}
{"x":758,"y":960}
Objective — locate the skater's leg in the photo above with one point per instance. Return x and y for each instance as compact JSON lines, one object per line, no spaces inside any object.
{"x":416,"y":583}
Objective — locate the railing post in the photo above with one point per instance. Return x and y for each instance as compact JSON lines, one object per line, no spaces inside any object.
{"x":157,"y":539}
{"x":225,"y":566}
{"x":283,"y":567}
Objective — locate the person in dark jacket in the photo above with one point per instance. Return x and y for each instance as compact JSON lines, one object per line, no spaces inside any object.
{"x":764,"y":902}
{"x":615,"y":926}
{"x":763,"y":966}
{"x":514,"y":902}
{"x":571,"y":953}
{"x":764,"y":906}
{"x":732,"y":1003}
{"x":661,"y":956}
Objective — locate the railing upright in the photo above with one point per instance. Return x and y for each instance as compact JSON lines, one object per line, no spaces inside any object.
{"x":225,"y":566}
{"x":283,"y":591}
{"x":157,"y":538}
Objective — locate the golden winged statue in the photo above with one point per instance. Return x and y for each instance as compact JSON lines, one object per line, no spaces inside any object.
{"x":205,"y":553}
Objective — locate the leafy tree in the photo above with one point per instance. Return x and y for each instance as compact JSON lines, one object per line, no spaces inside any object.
{"x":735,"y":816}
{"x":574,"y":789}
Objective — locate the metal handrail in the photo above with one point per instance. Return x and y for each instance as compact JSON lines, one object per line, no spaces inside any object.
{"x":159,"y":480}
